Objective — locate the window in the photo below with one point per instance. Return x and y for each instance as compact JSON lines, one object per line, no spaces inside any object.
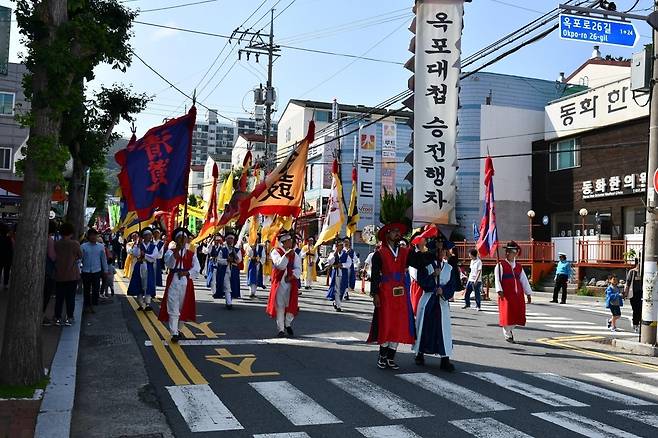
{"x":323,"y":116}
{"x":5,"y":158}
{"x":7,"y":104}
{"x":634,"y":218}
{"x":564,"y":155}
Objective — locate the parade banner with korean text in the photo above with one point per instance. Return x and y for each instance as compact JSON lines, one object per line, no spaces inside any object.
{"x":282,"y":191}
{"x":327,"y":158}
{"x":367,"y":143}
{"x":436,"y":96}
{"x":155,"y":168}
{"x":389,"y":156}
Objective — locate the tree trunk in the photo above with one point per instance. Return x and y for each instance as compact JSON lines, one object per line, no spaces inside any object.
{"x":21,"y":356}
{"x":75,"y":214}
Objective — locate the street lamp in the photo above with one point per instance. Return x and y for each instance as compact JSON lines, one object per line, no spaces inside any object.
{"x":583,"y":214}
{"x":531,"y":215}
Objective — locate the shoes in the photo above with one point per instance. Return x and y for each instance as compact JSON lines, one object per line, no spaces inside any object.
{"x":563,"y":302}
{"x":608,"y":323}
{"x":529,"y":300}
{"x":299,"y":293}
{"x":334,"y":304}
{"x":338,"y":309}
{"x":420,"y":359}
{"x":446,"y":365}
{"x":553,"y":301}
{"x":140,"y":308}
{"x":615,"y":329}
{"x":67,"y":322}
{"x":46,"y":322}
{"x":381,"y":363}
{"x":148,"y":308}
{"x":636,"y":329}
{"x":510,"y":338}
{"x":175,"y":338}
{"x":466,"y":307}
{"x":479,"y":309}
{"x":281,"y":335}
{"x":58,"y":323}
{"x":252,"y":296}
{"x":289,"y":331}
{"x":229,"y":306}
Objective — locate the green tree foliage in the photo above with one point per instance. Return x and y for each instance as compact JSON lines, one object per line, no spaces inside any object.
{"x":394,"y":208}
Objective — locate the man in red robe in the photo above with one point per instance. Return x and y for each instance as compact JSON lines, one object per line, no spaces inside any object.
{"x":286,"y":272}
{"x":512,"y":285}
{"x":178,"y":303}
{"x":393,"y":319}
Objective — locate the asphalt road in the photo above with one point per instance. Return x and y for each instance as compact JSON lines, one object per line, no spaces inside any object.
{"x":234,"y":378}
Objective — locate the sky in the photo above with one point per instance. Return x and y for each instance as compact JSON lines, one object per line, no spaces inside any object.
{"x":373,"y":28}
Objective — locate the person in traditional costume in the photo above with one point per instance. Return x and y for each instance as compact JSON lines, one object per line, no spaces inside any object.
{"x":212,"y":251}
{"x":309,"y":257}
{"x":393,"y":318}
{"x":511,"y":285}
{"x":351,"y":271}
{"x":228,"y":271}
{"x":130,"y":261}
{"x":256,"y":256}
{"x":159,"y":262}
{"x":142,"y":281}
{"x":178,"y":303}
{"x":286,"y":270}
{"x":436,"y":279}
{"x":267,"y":265}
{"x":340,"y":263}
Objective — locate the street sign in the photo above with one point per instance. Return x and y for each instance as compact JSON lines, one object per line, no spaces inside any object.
{"x":655,"y":181}
{"x":597,"y":30}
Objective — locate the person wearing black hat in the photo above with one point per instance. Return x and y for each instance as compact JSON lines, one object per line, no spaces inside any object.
{"x":178,"y":303}
{"x":212,"y":251}
{"x":393,"y":319}
{"x":286,"y":271}
{"x":351,"y":280}
{"x":142,"y":282}
{"x":340,"y":262}
{"x":256,"y":256}
{"x":511,"y":285}
{"x":159,"y":262}
{"x":309,"y":257}
{"x":228,"y":272}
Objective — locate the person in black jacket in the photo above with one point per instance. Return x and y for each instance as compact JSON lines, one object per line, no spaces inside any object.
{"x":6,"y":254}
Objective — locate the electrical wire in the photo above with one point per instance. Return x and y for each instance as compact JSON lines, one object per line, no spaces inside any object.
{"x":164,"y":8}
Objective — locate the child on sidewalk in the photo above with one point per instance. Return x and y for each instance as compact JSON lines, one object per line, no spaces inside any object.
{"x":613,"y":301}
{"x":108,"y":279}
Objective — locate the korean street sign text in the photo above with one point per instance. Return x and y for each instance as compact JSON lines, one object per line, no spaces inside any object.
{"x":614,"y":186}
{"x":597,"y":30}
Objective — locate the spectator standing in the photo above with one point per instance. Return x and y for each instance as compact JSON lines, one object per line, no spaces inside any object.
{"x":108,"y":279}
{"x":67,"y":274}
{"x":562,"y":273}
{"x":474,"y":281}
{"x":94,"y":266}
{"x":49,"y":282}
{"x":633,"y":291}
{"x":613,"y":301}
{"x":6,"y":254}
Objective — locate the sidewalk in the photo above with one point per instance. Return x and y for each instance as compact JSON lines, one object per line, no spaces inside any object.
{"x":18,"y":417}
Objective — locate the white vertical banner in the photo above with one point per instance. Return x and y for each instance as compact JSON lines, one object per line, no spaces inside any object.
{"x":366,"y":176}
{"x":389,"y":156}
{"x":436,"y":99}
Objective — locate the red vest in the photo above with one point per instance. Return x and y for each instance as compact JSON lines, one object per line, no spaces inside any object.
{"x":511,"y":278}
{"x":277,"y":277}
{"x":511,"y":306}
{"x":188,"y":310}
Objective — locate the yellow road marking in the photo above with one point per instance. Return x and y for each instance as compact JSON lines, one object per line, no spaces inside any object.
{"x":187,"y":332}
{"x":560,"y":342}
{"x":243,"y":369}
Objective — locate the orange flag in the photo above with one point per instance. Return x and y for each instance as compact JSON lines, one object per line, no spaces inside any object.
{"x":212,"y":218}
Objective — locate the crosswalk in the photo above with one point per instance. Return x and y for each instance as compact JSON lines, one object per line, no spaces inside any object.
{"x":561,"y":323}
{"x":204,"y":411}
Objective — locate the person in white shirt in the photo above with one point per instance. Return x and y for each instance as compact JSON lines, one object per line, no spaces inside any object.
{"x":474,"y":281}
{"x":511,"y":285}
{"x":286,"y":272}
{"x":228,"y":272}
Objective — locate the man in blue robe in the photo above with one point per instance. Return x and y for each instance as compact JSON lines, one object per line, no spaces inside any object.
{"x":255,"y":267}
{"x":142,"y":281}
{"x":340,"y":262}
{"x":228,"y":272}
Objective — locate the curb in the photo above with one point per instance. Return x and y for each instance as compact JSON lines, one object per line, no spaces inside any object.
{"x":56,"y":411}
{"x":635,"y":347}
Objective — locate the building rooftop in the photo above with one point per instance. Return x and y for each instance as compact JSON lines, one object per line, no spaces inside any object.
{"x":197,"y":167}
{"x":257,"y":138}
{"x":598,"y":61}
{"x":345,"y":107}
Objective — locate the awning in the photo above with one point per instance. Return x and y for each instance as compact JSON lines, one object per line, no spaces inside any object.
{"x":16,"y":187}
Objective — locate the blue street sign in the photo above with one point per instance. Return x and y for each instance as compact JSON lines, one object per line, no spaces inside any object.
{"x":597,"y":30}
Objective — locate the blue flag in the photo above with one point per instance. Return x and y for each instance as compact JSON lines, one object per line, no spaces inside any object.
{"x":155,"y":168}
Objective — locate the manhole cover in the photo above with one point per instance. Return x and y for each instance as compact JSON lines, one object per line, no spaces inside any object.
{"x":106,"y":340}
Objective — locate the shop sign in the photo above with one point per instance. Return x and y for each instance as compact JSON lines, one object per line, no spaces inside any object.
{"x":614,"y":186}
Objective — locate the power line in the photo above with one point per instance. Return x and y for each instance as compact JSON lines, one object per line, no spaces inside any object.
{"x":164,"y":8}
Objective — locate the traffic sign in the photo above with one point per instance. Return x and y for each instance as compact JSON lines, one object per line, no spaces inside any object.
{"x":655,"y":181}
{"x":597,"y":30}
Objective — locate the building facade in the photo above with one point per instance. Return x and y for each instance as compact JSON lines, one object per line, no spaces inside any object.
{"x":254,"y":143}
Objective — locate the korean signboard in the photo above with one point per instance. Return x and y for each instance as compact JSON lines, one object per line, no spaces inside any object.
{"x":5,"y":31}
{"x":366,"y":176}
{"x":437,"y":69}
{"x":618,"y":185}
{"x":389,"y":156}
{"x":595,"y":108}
{"x":328,"y":158}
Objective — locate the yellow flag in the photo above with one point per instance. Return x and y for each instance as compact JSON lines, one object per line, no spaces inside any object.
{"x":225,"y":192}
{"x":335,"y":218}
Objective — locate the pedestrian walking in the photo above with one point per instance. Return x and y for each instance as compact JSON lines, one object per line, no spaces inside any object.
{"x":130,"y":260}
{"x":142,"y":281}
{"x":613,"y":301}
{"x":282,"y":304}
{"x":118,"y":248}
{"x":474,"y":282}
{"x":393,"y":320}
{"x":67,"y":274}
{"x":633,"y":291}
{"x":159,"y":262}
{"x":256,"y":256}
{"x":94,"y":266}
{"x":340,"y":263}
{"x":179,"y":302}
{"x":201,"y":254}
{"x":309,"y":258}
{"x":107,"y":286}
{"x":6,"y":254}
{"x":49,"y":281}
{"x":229,"y":260}
{"x":351,"y":270}
{"x":562,"y":273}
{"x":511,"y":285}
{"x":212,"y":251}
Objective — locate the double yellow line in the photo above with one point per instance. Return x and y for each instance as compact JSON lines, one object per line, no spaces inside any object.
{"x":181,"y":371}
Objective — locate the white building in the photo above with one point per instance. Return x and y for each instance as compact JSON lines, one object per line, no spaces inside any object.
{"x":224,"y":166}
{"x":195,"y":180}
{"x":250,"y":142}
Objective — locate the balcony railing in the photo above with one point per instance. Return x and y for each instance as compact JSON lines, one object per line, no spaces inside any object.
{"x":608,"y":251}
{"x":531,"y":252}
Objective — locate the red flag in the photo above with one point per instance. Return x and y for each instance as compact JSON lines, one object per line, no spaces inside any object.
{"x":212,"y":218}
{"x":232,"y":210}
{"x":488,"y":241}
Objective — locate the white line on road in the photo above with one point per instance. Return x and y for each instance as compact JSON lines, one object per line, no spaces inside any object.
{"x":630,"y":384}
{"x":583,"y":425}
{"x":592,"y":389}
{"x":202,"y":410}
{"x":380,"y":399}
{"x":488,"y":428}
{"x":603,"y":332}
{"x":643,"y":417}
{"x":574,"y":323}
{"x":394,"y":431}
{"x":649,"y":375}
{"x":539,"y":394}
{"x":536,"y":314}
{"x":296,"y":406}
{"x":284,"y":435}
{"x":266,"y":341}
{"x":464,"y":397}
{"x":547,"y":318}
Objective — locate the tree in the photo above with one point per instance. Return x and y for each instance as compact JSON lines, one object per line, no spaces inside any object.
{"x":57,"y":35}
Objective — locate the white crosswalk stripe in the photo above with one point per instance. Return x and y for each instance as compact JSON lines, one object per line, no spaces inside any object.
{"x":649,"y":375}
{"x":202,"y":410}
{"x":464,"y":397}
{"x":643,"y":417}
{"x":604,"y":332}
{"x":380,"y":399}
{"x":488,"y":428}
{"x":574,"y":324}
{"x":621,"y":381}
{"x":394,"y":431}
{"x":533,"y":392}
{"x":296,"y":406}
{"x":583,"y":425}
{"x":284,"y":435}
{"x":592,"y":389}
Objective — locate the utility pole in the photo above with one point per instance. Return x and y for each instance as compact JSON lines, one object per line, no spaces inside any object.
{"x":263,"y":45}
